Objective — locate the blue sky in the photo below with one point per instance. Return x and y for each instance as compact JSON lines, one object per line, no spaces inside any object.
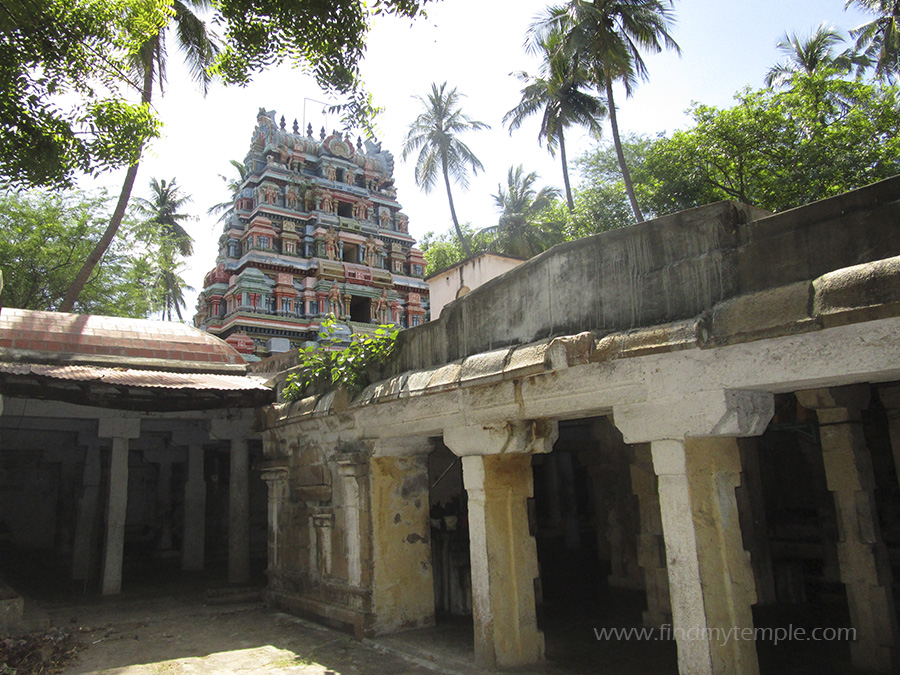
{"x":473,"y":45}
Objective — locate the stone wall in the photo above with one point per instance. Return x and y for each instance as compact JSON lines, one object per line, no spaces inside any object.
{"x":664,"y":270}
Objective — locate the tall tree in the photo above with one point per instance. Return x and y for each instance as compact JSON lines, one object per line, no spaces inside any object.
{"x":433,"y":134}
{"x":559,"y":94}
{"x":149,"y":64}
{"x":813,"y":54}
{"x":163,"y":227}
{"x":233,"y":184}
{"x":518,"y":232}
{"x":47,"y":234}
{"x":879,"y":39}
{"x":608,"y":36}
{"x":778,"y":149}
{"x":78,"y":49}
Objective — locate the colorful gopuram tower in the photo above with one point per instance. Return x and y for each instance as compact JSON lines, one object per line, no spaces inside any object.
{"x":315,"y":231}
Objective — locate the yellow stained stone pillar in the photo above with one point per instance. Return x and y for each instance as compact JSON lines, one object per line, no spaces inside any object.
{"x":498,"y":478}
{"x":402,"y":584}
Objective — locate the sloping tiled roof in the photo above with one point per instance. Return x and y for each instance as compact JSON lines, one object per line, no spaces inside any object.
{"x":58,"y":338}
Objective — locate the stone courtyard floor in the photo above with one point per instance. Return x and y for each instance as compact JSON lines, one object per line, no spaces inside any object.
{"x":165,"y":622}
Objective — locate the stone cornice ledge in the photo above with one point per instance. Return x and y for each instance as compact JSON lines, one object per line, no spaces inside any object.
{"x":851,"y":295}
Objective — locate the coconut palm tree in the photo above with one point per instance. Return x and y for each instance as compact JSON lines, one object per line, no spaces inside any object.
{"x":813,"y":54}
{"x":433,"y":134}
{"x":607,"y":36}
{"x":559,"y":94}
{"x":517,"y":232}
{"x":879,"y":39}
{"x":149,"y":65}
{"x":233,"y":184}
{"x":162,"y":226}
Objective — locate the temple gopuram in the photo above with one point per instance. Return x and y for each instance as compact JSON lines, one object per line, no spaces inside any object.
{"x":316,"y":231}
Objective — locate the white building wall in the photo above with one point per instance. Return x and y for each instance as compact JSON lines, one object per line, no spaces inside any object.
{"x":468,"y":275}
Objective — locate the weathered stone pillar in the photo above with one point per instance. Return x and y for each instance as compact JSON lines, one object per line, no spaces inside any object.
{"x":164,"y":458}
{"x":120,"y":430}
{"x":402,"y":581}
{"x":752,"y":510}
{"x":236,"y":431}
{"x":697,"y":464}
{"x":86,"y":518}
{"x":865,"y":568}
{"x":193,"y":552}
{"x":498,"y":478}
{"x":890,"y":399}
{"x":239,"y":512}
{"x":609,"y":468}
{"x":651,"y":549}
{"x":351,"y":470}
{"x":275,"y":473}
{"x":67,"y":459}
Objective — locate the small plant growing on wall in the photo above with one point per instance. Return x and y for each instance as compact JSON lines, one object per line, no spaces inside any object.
{"x":352,"y":367}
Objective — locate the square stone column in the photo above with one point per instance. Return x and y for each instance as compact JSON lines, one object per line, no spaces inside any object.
{"x":651,"y":548}
{"x":164,"y":458}
{"x":86,"y":529}
{"x":498,"y":478}
{"x":275,"y":473}
{"x":237,"y":430}
{"x":120,"y":430}
{"x":402,"y":575}
{"x":890,"y":399}
{"x":193,"y":547}
{"x":865,"y":567}
{"x":697,"y":463}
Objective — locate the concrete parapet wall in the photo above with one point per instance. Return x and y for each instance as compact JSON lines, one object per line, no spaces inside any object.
{"x":665,"y":270}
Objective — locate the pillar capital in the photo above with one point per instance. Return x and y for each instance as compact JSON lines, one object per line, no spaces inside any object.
{"x":274,"y":470}
{"x":119,"y":427}
{"x":513,"y":438}
{"x":723,"y":412}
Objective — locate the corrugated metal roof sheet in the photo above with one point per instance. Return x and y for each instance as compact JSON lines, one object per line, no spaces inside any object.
{"x":138,"y":378}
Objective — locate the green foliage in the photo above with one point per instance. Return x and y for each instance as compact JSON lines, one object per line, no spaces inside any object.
{"x":85,"y":50}
{"x":326,"y":39}
{"x":523,"y":230}
{"x":446,"y":250}
{"x":879,"y":39}
{"x":606,"y":39}
{"x":434,"y":136}
{"x":353,"y":367}
{"x":561,"y":95}
{"x":76,"y":48}
{"x":46,"y":236}
{"x":814,"y":54}
{"x":779,"y":150}
{"x":816,"y":138}
{"x":161,"y":228}
{"x":601,"y":203}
